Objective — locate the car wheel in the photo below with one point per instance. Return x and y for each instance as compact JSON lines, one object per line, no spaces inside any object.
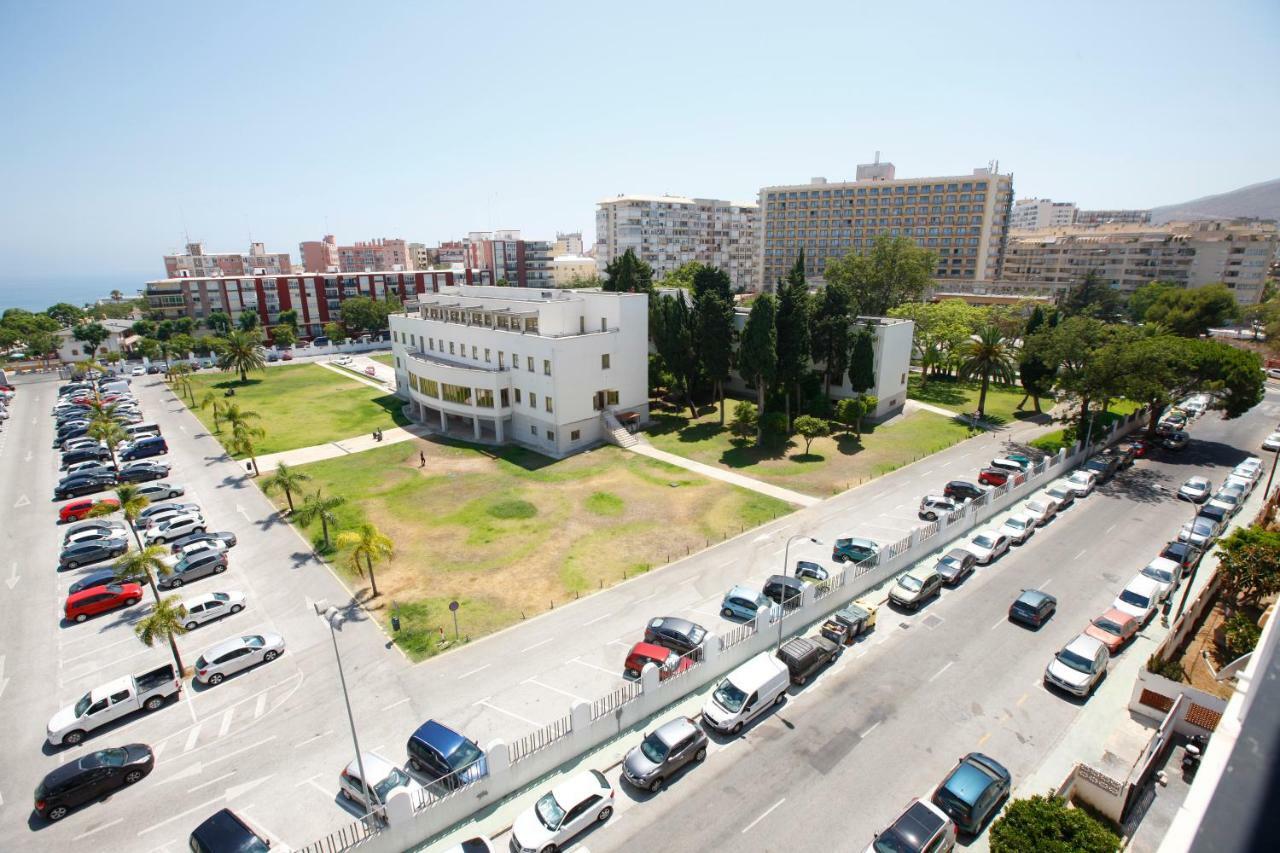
{"x":737,"y":727}
{"x":191,"y":626}
{"x":80,"y":617}
{"x":236,"y":608}
{"x":701,"y":754}
{"x":175,"y":583}
{"x":129,"y":602}
{"x":550,"y":848}
{"x":57,"y":813}
{"x":153,"y":703}
{"x":133,"y":776}
{"x":782,"y":697}
{"x":605,"y":814}
{"x":726,"y":613}
{"x":929,"y":516}
{"x":655,"y":785}
{"x":221,"y":567}
{"x":216,"y":679}
{"x":414,"y":765}
{"x":801,"y":680}
{"x":270,"y":656}
{"x":72,"y":564}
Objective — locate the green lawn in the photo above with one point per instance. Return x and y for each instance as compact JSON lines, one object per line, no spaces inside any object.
{"x":1066,"y":437}
{"x":387,"y":359}
{"x":509,"y":533}
{"x":832,"y":465}
{"x":301,"y":405}
{"x":962,"y":397}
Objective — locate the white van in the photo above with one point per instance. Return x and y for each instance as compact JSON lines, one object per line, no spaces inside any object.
{"x":746,"y":693}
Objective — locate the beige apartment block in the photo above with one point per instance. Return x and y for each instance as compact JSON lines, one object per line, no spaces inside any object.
{"x":964,"y":219}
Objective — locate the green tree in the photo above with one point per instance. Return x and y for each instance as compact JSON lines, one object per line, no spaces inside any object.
{"x":284,"y":335}
{"x":792,"y":320}
{"x":287,"y":480}
{"x":758,"y":352}
{"x":335,"y":332}
{"x":1070,"y":347}
{"x":366,"y":543}
{"x":1249,"y":564}
{"x":289,"y":318}
{"x":1046,"y":824}
{"x":810,"y":428}
{"x":360,"y":313}
{"x":709,"y":279}
{"x":829,"y":333}
{"x":1092,"y":297}
{"x":65,"y":314}
{"x":236,"y":416}
{"x":242,"y":351}
{"x":851,"y":410}
{"x":132,"y":503}
{"x":628,"y":274}
{"x":40,"y":344}
{"x":243,"y":441}
{"x":579,"y":282}
{"x":91,"y":335}
{"x":107,"y":429}
{"x":219,"y":322}
{"x":988,"y":355}
{"x":183,"y":344}
{"x":941,"y":329}
{"x":1191,"y":313}
{"x":894,"y":271}
{"x":318,"y":507}
{"x":143,"y":566}
{"x":248,"y":321}
{"x":1162,"y":369}
{"x":1240,"y":635}
{"x":673,"y":336}
{"x":1144,"y":297}
{"x":746,"y":420}
{"x":682,"y":276}
{"x":715,"y":340}
{"x":164,"y":622}
{"x":862,"y":354}
{"x":214,"y":401}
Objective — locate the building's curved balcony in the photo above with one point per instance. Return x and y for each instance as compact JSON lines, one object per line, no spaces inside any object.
{"x":459,"y":388}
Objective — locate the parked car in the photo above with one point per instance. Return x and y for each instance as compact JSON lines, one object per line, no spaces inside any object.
{"x":214,"y":605}
{"x":77,"y":510}
{"x":993,"y":476}
{"x":783,"y":589}
{"x":103,"y":526}
{"x":1102,"y":466}
{"x":225,"y":832}
{"x":1012,"y":464}
{"x":922,"y":828}
{"x":1271,"y":442}
{"x":160,"y":511}
{"x":1018,"y":527}
{"x":963,"y":490}
{"x":679,"y":635}
{"x":1123,"y":453}
{"x":236,"y":655}
{"x":1229,"y":499}
{"x":138,"y":371}
{"x":1139,"y":598}
{"x":746,"y":693}
{"x":1239,"y":481}
{"x":1062,"y":493}
{"x":955,"y":566}
{"x":810,"y":571}
{"x":227,"y":539}
{"x":144,"y":448}
{"x":1033,"y":608}
{"x":342,"y":359}
{"x":1078,"y":666}
{"x":85,"y":454}
{"x":933,"y":506}
{"x":1200,"y":532}
{"x":668,"y":662}
{"x":568,"y":809}
{"x":1081,"y":482}
{"x":87,"y":552}
{"x":973,"y":791}
{"x":806,"y":655}
{"x":98,"y":577}
{"x":444,"y":756}
{"x":84,"y":484}
{"x":96,"y":600}
{"x":197,"y":547}
{"x":174,"y":527}
{"x":1166,"y":572}
{"x":1251,"y":468}
{"x":85,"y":467}
{"x":1113,"y":628}
{"x":1195,"y":489}
{"x":852,"y":548}
{"x":987,"y":545}
{"x":143,"y":472}
{"x":90,"y":778}
{"x":1140,"y":448}
{"x":741,"y":602}
{"x":1177,"y":440}
{"x":1184,"y":554}
{"x":92,"y":534}
{"x":273,"y":357}
{"x":915,"y":587}
{"x":113,"y":701}
{"x":1041,"y":507}
{"x":663,"y":753}
{"x":382,"y":780}
{"x":199,"y":565}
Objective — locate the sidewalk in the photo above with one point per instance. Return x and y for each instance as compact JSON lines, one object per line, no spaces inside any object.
{"x":334,"y":449}
{"x":645,"y":449}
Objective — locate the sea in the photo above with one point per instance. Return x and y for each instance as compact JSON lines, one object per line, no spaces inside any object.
{"x":38,"y":292}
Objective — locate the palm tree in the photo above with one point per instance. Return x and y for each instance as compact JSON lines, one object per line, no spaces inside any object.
{"x":213,"y":401}
{"x":319,"y":507}
{"x":109,"y":432}
{"x":242,"y":438}
{"x":932,"y":357}
{"x":236,"y":416}
{"x":164,"y":622}
{"x":131,"y":504}
{"x":988,"y":354}
{"x":285,"y":479}
{"x":242,"y":351}
{"x":144,"y":564}
{"x":368,"y":542}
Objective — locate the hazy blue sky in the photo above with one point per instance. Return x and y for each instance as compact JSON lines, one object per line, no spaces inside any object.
{"x":125,"y":123}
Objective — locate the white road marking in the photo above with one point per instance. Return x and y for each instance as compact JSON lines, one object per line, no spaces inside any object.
{"x":870,"y":730}
{"x":491,"y":707}
{"x":313,"y":783}
{"x":233,"y":753}
{"x":1111,"y":528}
{"x":396,"y":704}
{"x":597,"y":619}
{"x":260,"y":706}
{"x":553,"y":689}
{"x":179,"y":815}
{"x":211,"y":781}
{"x":98,"y":829}
{"x":945,"y":667}
{"x":1081,"y":554}
{"x":226,"y":721}
{"x":766,"y":813}
{"x":537,"y":644}
{"x":312,"y":739}
{"x":926,"y":473}
{"x":192,"y":736}
{"x":473,"y":672}
{"x":593,"y":666}
{"x":649,"y":596}
{"x":999,"y":622}
{"x":762,"y":537}
{"x":1043,"y":585}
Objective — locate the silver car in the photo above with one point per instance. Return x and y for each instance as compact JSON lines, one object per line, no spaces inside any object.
{"x":1019,"y":527}
{"x":1079,"y":666}
{"x":206,"y":608}
{"x":1196,"y":490}
{"x":160,"y":491}
{"x":232,"y":656}
{"x":384,"y":780}
{"x":663,"y":752}
{"x":1200,"y":532}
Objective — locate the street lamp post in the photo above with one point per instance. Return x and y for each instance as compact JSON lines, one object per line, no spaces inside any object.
{"x":786,"y":561}
{"x":328,"y":614}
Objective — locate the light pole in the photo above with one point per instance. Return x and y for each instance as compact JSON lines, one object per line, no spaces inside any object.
{"x":786,"y":561}
{"x":328,"y":613}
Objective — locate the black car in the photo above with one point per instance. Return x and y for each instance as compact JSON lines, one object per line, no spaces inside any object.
{"x":1033,"y":608}
{"x":83,"y":484}
{"x":143,"y":472}
{"x":153,"y":369}
{"x":226,"y":833}
{"x":101,"y":577}
{"x":671,"y":632}
{"x":92,"y":776}
{"x":85,"y":454}
{"x":955,"y":565}
{"x":93,"y":551}
{"x":1217,"y":514}
{"x":963,"y":490}
{"x":75,"y":429}
{"x":1103,"y":466}
{"x":225,"y":537}
{"x":783,"y":589}
{"x":1184,"y":554}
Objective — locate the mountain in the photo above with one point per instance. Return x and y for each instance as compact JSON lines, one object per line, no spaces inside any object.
{"x":1261,"y":201}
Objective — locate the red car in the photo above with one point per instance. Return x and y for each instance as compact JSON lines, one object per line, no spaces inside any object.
{"x":1139,"y":448}
{"x":993,"y":476}
{"x":287,"y":356}
{"x":79,"y":508}
{"x":99,"y":599}
{"x":668,"y":662}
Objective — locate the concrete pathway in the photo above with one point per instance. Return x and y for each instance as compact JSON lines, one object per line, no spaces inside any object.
{"x":334,"y":449}
{"x":645,"y":449}
{"x":354,"y":370}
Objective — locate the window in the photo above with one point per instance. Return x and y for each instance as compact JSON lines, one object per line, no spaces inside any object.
{"x":604,"y":361}
{"x":486,"y":356}
{"x":517,"y":390}
{"x":533,"y":400}
{"x":529,"y":363}
{"x":604,"y":324}
{"x":575,"y":435}
{"x":474,"y":351}
{"x":450,"y":347}
{"x":431,"y":344}
{"x":456,"y":394}
{"x":611,"y":398}
{"x":547,"y":401}
{"x":397,"y":362}
{"x":533,"y":430}
{"x":546,"y":366}
{"x":505,"y":397}
{"x":484,"y":398}
{"x":551,"y":436}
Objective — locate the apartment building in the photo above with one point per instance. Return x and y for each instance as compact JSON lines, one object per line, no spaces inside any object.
{"x":567,"y":244}
{"x":195,"y":261}
{"x":317,"y":297}
{"x":421,"y":256}
{"x":553,"y":370}
{"x":964,"y":219}
{"x":325,"y":255}
{"x":450,"y":253}
{"x":1129,"y":255}
{"x":1112,"y":217}
{"x":669,"y":231}
{"x":518,"y":262}
{"x":1030,"y":214}
{"x":567,"y":268}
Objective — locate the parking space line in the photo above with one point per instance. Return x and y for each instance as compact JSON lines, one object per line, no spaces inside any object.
{"x":180,"y":815}
{"x":193,"y":736}
{"x":107,"y":825}
{"x":553,"y":689}
{"x":766,"y":813}
{"x":227,"y":755}
{"x":593,"y":666}
{"x":313,"y":783}
{"x":999,"y":622}
{"x":226,"y":721}
{"x":945,"y":667}
{"x":211,"y":781}
{"x":473,"y":672}
{"x":1081,"y":554}
{"x":261,"y":706}
{"x":600,"y":618}
{"x":513,"y":715}
{"x":312,"y":739}
{"x":1043,"y":585}
{"x":537,"y":644}
{"x":396,"y":704}
{"x":651,"y":595}
{"x":870,"y":730}
{"x":984,"y":738}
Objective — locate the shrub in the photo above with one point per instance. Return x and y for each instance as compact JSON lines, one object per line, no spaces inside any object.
{"x":744,"y":420}
{"x":810,"y":428}
{"x":1170,"y":669}
{"x":1047,"y":823}
{"x":1240,"y":635}
{"x":775,"y":424}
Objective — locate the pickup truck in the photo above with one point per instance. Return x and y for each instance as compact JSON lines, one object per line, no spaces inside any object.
{"x":109,"y":702}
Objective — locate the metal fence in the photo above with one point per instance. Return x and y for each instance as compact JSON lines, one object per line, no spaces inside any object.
{"x":739,"y":633}
{"x":616,"y":699}
{"x":539,"y":739}
{"x":351,"y":835}
{"x":447,"y":786}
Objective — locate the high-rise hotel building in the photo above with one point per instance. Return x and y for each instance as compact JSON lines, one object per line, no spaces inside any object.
{"x":964,"y":219}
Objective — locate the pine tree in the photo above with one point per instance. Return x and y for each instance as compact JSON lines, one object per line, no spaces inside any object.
{"x":758,"y":354}
{"x":715,"y":337}
{"x":793,"y":333}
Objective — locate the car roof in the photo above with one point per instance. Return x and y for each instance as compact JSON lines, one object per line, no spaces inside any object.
{"x":1165,"y":564}
{"x":1117,"y":615}
{"x":970,"y":778}
{"x":577,"y":788}
{"x":375,"y":765}
{"x":739,"y":591}
{"x":226,"y":646}
{"x":986,"y":531}
{"x":1034,"y":597}
{"x":939,"y":499}
{"x":223,"y":830}
{"x":958,"y":553}
{"x":650,"y":650}
{"x":675,"y":623}
{"x":918,"y":823}
{"x":1142,"y":584}
{"x":922,"y":572}
{"x":125,"y":586}
{"x":438,"y":736}
{"x":1084,"y":645}
{"x":859,"y":542}
{"x":674,"y":731}
{"x":1198,"y":480}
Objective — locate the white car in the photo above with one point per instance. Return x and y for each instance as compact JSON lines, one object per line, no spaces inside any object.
{"x":235,"y":655}
{"x":160,"y":491}
{"x":1081,"y":482}
{"x":1078,"y":666}
{"x":1019,"y":527}
{"x":987,"y":545}
{"x":1200,"y":532}
{"x":1195,"y":489}
{"x":567,"y":810}
{"x":1139,"y":598}
{"x":138,"y":371}
{"x":1165,"y":572}
{"x":206,"y":608}
{"x":1251,"y":468}
{"x":93,"y":534}
{"x":342,"y":359}
{"x":90,"y":465}
{"x":1059,"y":491}
{"x":174,"y":527}
{"x":1229,"y":499}
{"x":1244,"y":484}
{"x":1041,"y":507}
{"x":384,"y":780}
{"x":1271,"y":442}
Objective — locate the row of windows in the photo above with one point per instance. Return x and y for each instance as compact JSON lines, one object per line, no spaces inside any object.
{"x":858,"y":232}
{"x":460,"y":348}
{"x":784,"y":208}
{"x":897,"y":189}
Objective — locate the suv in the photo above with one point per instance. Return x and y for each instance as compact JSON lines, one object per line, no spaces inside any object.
{"x":963,"y":490}
{"x":993,"y":476}
{"x":806,"y":655}
{"x":679,"y":635}
{"x":1079,"y":666}
{"x":851,"y":548}
{"x":445,"y":756}
{"x":973,"y":791}
{"x":923,"y":826}
{"x":1103,"y":466}
{"x":196,"y":566}
{"x":664,"y":751}
{"x":932,"y":506}
{"x":1032,"y":608}
{"x":915,"y":587}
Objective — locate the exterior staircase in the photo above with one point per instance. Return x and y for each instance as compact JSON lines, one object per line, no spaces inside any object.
{"x":616,"y":433}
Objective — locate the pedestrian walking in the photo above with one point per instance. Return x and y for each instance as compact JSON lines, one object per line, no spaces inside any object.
{"x":422,"y":459}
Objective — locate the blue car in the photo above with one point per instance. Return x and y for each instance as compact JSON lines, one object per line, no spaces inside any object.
{"x":442,"y":755}
{"x":973,"y":791}
{"x":743,"y":603}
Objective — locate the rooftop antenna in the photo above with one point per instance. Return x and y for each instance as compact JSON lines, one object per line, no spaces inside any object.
{"x":877,"y":158}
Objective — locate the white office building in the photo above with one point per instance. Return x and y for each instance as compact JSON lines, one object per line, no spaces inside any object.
{"x":1030,"y":214}
{"x":554,"y":370}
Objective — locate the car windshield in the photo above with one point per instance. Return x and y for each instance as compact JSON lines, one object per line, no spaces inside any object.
{"x":549,"y":812}
{"x":1037,"y":507}
{"x":112,"y":757}
{"x":1075,"y":661}
{"x":1136,"y":599}
{"x":654,"y":749}
{"x":984,"y":541}
{"x":891,"y":841}
{"x":1108,"y":626}
{"x":221,"y":596}
{"x":466,"y":754}
{"x":83,"y":705}
{"x":1163,"y":575}
{"x":949,"y":562}
{"x":1202,"y":526}
{"x":1015,"y":523}
{"x":729,"y":696}
{"x":254,"y":642}
{"x":911,"y":583}
{"x":394,"y":780}
{"x":1079,"y":477}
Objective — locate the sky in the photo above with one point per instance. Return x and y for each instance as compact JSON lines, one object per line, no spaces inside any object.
{"x":129,"y":125}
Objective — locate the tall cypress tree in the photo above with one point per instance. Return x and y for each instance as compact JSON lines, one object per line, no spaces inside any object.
{"x":628,"y":274}
{"x":829,"y":332}
{"x":713,"y":319}
{"x":758,"y":355}
{"x":793,"y":333}
{"x":674,"y":341}
{"x":862,"y":367}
